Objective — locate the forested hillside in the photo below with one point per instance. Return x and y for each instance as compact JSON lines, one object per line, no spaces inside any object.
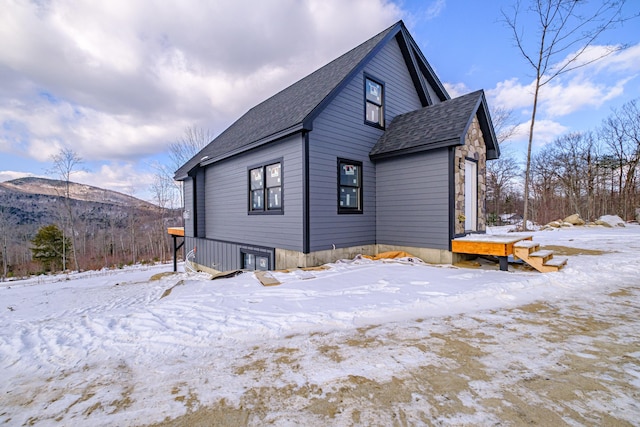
{"x":110,"y":228}
{"x":591,"y":173}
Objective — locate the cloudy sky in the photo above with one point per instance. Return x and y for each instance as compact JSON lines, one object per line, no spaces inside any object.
{"x":117,"y":81}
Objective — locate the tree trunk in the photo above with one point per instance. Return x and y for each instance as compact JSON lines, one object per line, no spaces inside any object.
{"x":527,"y":174}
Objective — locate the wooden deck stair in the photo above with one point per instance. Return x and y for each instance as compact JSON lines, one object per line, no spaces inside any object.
{"x":542,"y":260}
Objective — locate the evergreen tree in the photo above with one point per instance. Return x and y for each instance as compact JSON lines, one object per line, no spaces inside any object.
{"x":49,"y":247}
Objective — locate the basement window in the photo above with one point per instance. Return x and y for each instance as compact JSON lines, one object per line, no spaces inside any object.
{"x":253,"y":260}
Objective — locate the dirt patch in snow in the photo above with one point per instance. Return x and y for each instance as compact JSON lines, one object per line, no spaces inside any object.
{"x":167,"y":292}
{"x":162,"y":275}
{"x":568,"y":250}
{"x":536,"y":364}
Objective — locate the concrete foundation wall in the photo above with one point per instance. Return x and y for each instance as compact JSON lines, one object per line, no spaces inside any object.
{"x":432,"y":256}
{"x":292,"y":259}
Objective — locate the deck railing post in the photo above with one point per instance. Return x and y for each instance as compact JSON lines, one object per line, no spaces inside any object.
{"x":175,"y":254}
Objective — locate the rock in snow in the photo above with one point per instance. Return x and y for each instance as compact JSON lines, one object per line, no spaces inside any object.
{"x":610,"y":221}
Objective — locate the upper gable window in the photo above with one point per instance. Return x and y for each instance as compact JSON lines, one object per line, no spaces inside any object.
{"x":265,"y":189}
{"x":374,"y":102}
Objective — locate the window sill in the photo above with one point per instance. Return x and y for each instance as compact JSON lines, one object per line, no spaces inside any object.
{"x":271,"y":212}
{"x":374,"y":125}
{"x":349,"y":211}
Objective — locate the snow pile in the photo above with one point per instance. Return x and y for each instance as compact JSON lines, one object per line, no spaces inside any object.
{"x":136,"y":340}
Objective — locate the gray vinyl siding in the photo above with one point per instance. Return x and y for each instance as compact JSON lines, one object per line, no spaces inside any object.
{"x":413,"y":200}
{"x":340,"y":132}
{"x":188,"y":206}
{"x":227,"y":198}
{"x":200,"y":204}
{"x":223,"y":256}
{"x":432,"y":93}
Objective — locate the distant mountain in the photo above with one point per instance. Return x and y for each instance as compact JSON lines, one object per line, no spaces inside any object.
{"x":110,"y":228}
{"x":34,"y":202}
{"x":87,"y":193}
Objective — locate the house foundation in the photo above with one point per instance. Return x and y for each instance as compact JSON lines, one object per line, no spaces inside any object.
{"x":292,"y":259}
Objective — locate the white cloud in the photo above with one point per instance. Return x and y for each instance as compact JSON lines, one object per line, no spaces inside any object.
{"x":588,"y":87}
{"x":627,"y":60}
{"x":120,"y":80}
{"x":456,"y":89}
{"x":45,"y":127}
{"x":604,"y":59}
{"x":124,"y":177}
{"x":10,"y":175}
{"x":545,"y":132}
{"x":565,"y":98}
{"x":511,"y":94}
{"x":434,"y":9}
{"x":117,"y":81}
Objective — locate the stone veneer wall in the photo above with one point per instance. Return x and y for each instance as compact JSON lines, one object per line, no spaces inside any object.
{"x":474,"y":148}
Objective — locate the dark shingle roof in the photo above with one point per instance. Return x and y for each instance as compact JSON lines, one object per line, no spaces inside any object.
{"x":436,"y":126}
{"x":288,"y":109}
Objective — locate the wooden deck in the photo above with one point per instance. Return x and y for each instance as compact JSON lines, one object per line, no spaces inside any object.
{"x":176,"y":231}
{"x":488,"y":244}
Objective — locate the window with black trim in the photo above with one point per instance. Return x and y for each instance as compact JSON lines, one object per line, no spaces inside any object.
{"x":349,"y":186}
{"x":265,"y":188}
{"x":374,"y":102}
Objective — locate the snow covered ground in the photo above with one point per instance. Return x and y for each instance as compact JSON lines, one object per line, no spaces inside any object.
{"x":119,"y":348}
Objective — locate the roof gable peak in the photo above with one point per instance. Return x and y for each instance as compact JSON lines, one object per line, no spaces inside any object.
{"x":294,"y":108}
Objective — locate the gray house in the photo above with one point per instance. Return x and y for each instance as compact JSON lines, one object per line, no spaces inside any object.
{"x":365,"y":155}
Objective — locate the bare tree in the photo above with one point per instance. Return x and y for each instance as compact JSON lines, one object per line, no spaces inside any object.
{"x":501,"y":177}
{"x":573,"y":163}
{"x":4,"y":231}
{"x":66,"y":163}
{"x":606,"y":166}
{"x":504,"y":124}
{"x":621,"y":133}
{"x":548,"y":203}
{"x":564,"y":30}
{"x":168,"y":193}
{"x":181,"y":151}
{"x":161,"y":189}
{"x":502,"y":172}
{"x":191,"y":143}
